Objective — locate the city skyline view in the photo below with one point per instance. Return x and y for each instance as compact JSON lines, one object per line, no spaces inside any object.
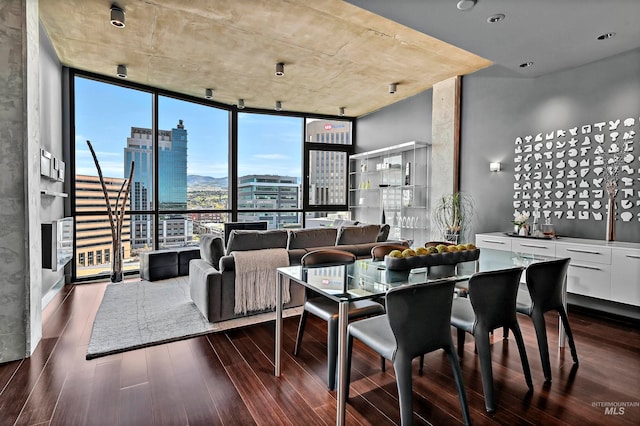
{"x":266,"y":144}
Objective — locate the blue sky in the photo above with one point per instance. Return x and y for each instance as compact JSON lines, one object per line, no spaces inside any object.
{"x":105,"y":113}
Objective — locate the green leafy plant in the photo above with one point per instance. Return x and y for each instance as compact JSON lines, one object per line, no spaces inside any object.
{"x":452,"y":215}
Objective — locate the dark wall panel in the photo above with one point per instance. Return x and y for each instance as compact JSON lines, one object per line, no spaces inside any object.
{"x":404,"y":121}
{"x":497,"y":110}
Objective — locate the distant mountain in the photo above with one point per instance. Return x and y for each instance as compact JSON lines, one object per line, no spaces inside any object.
{"x":206,"y":182}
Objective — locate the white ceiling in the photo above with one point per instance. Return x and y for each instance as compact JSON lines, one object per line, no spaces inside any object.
{"x":554,"y":34}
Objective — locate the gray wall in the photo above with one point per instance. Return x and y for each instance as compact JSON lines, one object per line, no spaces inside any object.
{"x":52,"y":208}
{"x":496,"y":110}
{"x":404,"y":121}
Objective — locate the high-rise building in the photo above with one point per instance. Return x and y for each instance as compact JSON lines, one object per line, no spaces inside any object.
{"x":93,"y":233}
{"x":172,"y":185}
{"x":268,"y":193}
{"x":327,"y":169}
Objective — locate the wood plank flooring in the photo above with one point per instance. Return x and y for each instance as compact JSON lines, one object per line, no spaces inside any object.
{"x":227,"y":378}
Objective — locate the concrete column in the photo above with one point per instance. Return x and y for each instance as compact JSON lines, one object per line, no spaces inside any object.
{"x":445,"y":141}
{"x":20,"y":246}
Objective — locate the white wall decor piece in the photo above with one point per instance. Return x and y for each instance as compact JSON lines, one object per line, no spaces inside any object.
{"x":573,"y":131}
{"x":570,"y":215}
{"x":561,"y":133}
{"x":571,"y":184}
{"x":584,"y":150}
{"x":598,"y":182}
{"x":626,"y":204}
{"x":571,"y":205}
{"x":558,"y":214}
{"x":614,"y":124}
{"x":583,"y":215}
{"x":596,"y":205}
{"x":547,"y":205}
{"x":626,"y":216}
{"x":586,"y":128}
{"x":628,"y":122}
{"x":528,"y":138}
{"x":613,"y":136}
{"x":558,"y":204}
{"x":598,"y":193}
{"x":600,"y":125}
{"x":572,"y":142}
{"x":538,"y":137}
{"x":559,"y":184}
{"x":597,"y":215}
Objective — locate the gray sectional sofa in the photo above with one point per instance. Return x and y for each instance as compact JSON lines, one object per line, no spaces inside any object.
{"x":212,"y":277}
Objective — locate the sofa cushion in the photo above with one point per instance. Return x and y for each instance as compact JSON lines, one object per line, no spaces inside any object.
{"x":383,"y":235}
{"x":357,"y":234}
{"x":315,"y":237}
{"x":256,"y":240}
{"x":211,"y":249}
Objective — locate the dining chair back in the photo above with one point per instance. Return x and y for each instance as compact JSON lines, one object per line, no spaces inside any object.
{"x":327,"y":309}
{"x":417,"y":322}
{"x":491,"y":304}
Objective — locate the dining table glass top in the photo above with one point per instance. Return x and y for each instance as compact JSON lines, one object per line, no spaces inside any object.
{"x":367,"y":278}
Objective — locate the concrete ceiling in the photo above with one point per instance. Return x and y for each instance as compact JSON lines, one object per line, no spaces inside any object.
{"x":553,"y":34}
{"x":335,"y":54}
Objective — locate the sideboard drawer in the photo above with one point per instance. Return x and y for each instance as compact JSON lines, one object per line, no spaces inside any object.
{"x":625,"y":270}
{"x":493,"y":242}
{"x":587,"y":279}
{"x":533,"y":246}
{"x":585,"y":254}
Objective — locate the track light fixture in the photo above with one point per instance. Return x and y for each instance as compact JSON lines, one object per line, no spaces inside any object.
{"x":341,"y":111}
{"x":208,"y":93}
{"x":393,"y":87}
{"x":278,"y":106}
{"x":117,"y":16}
{"x":240,"y":103}
{"x":280,"y":69}
{"x":122,"y":71}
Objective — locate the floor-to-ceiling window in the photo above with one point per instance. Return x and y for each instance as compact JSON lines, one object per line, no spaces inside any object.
{"x":196,"y":164}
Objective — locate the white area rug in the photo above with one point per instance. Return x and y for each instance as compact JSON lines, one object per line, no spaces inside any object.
{"x":137,"y":314}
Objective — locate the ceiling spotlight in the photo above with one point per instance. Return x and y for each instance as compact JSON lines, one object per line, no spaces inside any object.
{"x":606,"y":36}
{"x":393,"y":87}
{"x":208,"y":93}
{"x":240,"y":103}
{"x":280,"y":69}
{"x":278,"y":106}
{"x":117,"y":16}
{"x":496,"y":18}
{"x":526,"y":64}
{"x":122,"y":71}
{"x":466,"y":4}
{"x":341,"y":111}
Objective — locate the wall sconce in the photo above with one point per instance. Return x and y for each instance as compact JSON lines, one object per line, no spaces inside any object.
{"x":240,"y":103}
{"x":117,"y":17}
{"x":495,"y":167}
{"x":122,"y":71}
{"x":208,"y":93}
{"x":280,"y":69}
{"x":278,"y":106}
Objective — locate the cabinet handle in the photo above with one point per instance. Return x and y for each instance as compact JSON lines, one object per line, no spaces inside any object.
{"x":493,"y":241}
{"x":632,"y":256}
{"x":533,"y":246}
{"x":585,"y":267}
{"x":583,"y":251}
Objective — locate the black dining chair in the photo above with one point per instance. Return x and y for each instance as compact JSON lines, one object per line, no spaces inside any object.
{"x":416,"y":323}
{"x":545,"y":284}
{"x":491,"y":304}
{"x":327,"y":309}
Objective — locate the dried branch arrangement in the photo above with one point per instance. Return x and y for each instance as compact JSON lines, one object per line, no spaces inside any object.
{"x":116,"y":216}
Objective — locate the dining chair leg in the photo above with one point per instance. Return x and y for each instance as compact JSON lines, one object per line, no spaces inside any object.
{"x":421,"y":364}
{"x":567,"y":329}
{"x":383,"y":364}
{"x":457,"y":375}
{"x":348,"y":366}
{"x":543,"y":345}
{"x":301,"y":324}
{"x":517,"y":334}
{"x":332,"y":352}
{"x":461,"y":338}
{"x":402,"y":368}
{"x":486,"y":370}
{"x":505,"y":333}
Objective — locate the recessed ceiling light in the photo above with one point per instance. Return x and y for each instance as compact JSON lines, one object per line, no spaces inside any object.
{"x":341,"y":111}
{"x":496,"y":18}
{"x":240,"y":103}
{"x":278,"y":106}
{"x":466,"y":4}
{"x":606,"y":36}
{"x":393,"y":88}
{"x":280,"y":69}
{"x":526,"y":64}
{"x":208,"y":93}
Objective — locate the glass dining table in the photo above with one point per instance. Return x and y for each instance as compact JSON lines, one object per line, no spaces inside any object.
{"x":369,"y":279}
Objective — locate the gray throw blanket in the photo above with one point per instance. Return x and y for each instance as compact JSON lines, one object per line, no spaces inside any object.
{"x":256,"y":279}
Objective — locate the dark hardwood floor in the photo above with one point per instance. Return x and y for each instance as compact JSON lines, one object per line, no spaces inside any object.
{"x":227,"y":378}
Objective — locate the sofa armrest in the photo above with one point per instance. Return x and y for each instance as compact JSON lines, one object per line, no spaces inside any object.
{"x":205,"y":284}
{"x":227,"y":263}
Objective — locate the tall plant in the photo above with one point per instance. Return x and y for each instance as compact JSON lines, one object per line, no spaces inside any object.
{"x":116,"y":216}
{"x":452,"y":214}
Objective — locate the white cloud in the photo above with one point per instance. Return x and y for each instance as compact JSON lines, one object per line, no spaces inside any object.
{"x":271,"y":156}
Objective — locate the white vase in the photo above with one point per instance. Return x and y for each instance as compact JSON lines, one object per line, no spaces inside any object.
{"x":522,"y":231}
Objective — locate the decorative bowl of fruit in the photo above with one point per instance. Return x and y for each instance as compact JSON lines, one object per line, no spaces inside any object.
{"x":441,"y":254}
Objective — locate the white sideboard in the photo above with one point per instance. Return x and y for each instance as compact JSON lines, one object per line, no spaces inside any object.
{"x":606,"y":270}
